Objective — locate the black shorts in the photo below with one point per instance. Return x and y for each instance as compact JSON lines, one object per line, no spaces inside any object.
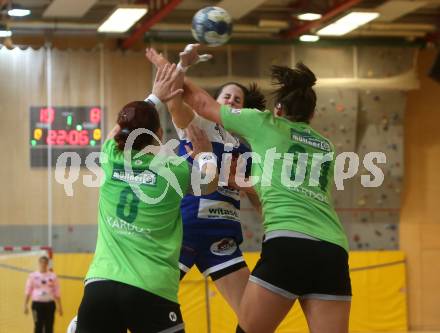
{"x":113,"y":307}
{"x":303,"y":268}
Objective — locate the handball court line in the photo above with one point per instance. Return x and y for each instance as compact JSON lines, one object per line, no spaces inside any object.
{"x":80,"y":278}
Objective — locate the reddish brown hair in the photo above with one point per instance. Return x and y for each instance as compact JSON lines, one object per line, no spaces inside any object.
{"x":134,"y":115}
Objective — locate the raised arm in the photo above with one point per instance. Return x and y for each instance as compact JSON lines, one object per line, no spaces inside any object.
{"x":163,"y":90}
{"x":181,"y":113}
{"x":197,"y":99}
{"x":201,"y":102}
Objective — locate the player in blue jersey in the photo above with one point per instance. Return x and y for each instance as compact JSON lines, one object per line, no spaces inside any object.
{"x":212,"y":229}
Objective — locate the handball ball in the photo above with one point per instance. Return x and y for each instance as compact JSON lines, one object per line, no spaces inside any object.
{"x":212,"y":26}
{"x":72,"y":326}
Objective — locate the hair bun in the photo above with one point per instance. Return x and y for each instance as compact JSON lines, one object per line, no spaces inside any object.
{"x":134,"y":115}
{"x":127,"y":115}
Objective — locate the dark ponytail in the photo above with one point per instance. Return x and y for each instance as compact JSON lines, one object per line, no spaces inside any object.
{"x":295,"y":94}
{"x":136,"y":115}
{"x":255,"y":98}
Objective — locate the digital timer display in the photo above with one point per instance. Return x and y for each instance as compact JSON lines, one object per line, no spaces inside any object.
{"x":60,"y":129}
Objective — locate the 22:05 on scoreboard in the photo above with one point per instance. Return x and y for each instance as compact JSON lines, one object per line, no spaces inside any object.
{"x":64,"y":129}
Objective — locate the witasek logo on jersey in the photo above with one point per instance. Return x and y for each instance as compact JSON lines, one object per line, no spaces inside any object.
{"x":217,"y":210}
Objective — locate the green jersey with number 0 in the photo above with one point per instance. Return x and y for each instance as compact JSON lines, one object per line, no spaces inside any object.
{"x":139,"y":241}
{"x":295,"y":173}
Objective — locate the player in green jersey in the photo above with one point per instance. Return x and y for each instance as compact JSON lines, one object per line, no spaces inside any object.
{"x":305,"y":250}
{"x":132,"y":282}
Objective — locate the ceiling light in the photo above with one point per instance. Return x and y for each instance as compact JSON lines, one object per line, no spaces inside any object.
{"x":19,"y":12}
{"x":4,"y":31}
{"x":122,"y":19}
{"x":16,"y":10}
{"x":347,"y":23}
{"x":309,"y":16}
{"x":309,"y":38}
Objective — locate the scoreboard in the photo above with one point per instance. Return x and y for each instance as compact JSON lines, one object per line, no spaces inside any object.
{"x":64,"y":129}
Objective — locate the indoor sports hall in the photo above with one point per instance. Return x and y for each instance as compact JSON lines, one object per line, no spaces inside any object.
{"x":67,"y":68}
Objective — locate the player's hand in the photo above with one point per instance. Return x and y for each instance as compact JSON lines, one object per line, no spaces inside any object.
{"x":157,"y":59}
{"x":26,"y":310}
{"x":190,"y":56}
{"x":164,"y":81}
{"x":199,"y":140}
{"x":60,"y":311}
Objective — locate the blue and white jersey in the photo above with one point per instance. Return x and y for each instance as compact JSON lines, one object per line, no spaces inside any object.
{"x":223,"y":206}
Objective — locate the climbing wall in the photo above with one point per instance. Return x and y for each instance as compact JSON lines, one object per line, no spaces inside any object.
{"x":364,"y":122}
{"x":373,"y":222}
